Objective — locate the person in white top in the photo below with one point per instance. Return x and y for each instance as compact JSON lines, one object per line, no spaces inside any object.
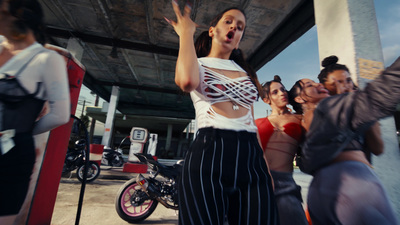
{"x":224,"y":176}
{"x":30,"y":75}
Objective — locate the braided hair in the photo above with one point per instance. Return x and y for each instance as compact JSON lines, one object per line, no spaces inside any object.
{"x":203,"y":47}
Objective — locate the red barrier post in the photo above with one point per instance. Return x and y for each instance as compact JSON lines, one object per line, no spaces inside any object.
{"x":96,"y":153}
{"x":44,"y":198}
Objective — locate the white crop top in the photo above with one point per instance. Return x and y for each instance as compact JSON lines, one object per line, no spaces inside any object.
{"x":215,"y":87}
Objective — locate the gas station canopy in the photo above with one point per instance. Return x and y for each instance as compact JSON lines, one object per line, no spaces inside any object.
{"x":127,"y":43}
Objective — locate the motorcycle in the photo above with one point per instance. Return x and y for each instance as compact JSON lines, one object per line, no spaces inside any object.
{"x":75,"y":159}
{"x":113,"y":158}
{"x":138,"y":198}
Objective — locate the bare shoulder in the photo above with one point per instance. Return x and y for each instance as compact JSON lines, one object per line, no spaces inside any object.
{"x":298,"y":116}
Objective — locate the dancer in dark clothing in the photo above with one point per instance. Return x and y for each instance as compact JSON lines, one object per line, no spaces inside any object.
{"x":336,"y":79}
{"x":345,"y":189}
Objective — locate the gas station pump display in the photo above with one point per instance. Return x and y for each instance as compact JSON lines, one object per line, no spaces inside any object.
{"x":138,"y":138}
{"x":138,"y":135}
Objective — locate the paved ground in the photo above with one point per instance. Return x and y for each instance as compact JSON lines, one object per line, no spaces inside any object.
{"x":98,"y":204}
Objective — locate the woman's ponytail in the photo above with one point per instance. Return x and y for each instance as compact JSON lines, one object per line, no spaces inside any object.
{"x":203,"y":45}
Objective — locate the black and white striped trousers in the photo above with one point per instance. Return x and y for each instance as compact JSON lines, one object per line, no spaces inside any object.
{"x":225,"y":177}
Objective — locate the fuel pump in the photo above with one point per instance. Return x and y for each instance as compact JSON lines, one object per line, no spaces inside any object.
{"x":138,"y":138}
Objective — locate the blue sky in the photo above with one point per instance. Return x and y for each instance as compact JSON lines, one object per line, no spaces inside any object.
{"x":301,"y":58}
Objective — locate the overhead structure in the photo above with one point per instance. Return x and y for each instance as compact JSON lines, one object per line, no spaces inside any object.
{"x":127,"y":43}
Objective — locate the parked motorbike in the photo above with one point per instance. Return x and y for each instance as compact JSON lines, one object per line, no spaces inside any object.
{"x":138,"y":198}
{"x":112,"y":157}
{"x":75,"y":159}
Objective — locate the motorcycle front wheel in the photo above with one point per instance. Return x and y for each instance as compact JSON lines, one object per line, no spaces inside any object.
{"x":92,"y":173}
{"x":133,"y":204}
{"x":117,"y":161}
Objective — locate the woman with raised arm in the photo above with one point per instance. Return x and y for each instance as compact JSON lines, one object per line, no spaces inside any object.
{"x":224,"y":174}
{"x":280,"y":134}
{"x":336,"y":79}
{"x":30,"y":75}
{"x":345,"y":189}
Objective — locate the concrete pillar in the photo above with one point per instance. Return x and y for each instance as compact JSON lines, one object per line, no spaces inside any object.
{"x":93,"y":122}
{"x":169,"y":137}
{"x":75,"y":48}
{"x":349,"y":30}
{"x":108,"y":126}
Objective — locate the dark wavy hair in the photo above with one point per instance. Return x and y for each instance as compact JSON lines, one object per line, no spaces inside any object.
{"x":330,"y":65}
{"x":29,"y":16}
{"x":267,"y":86}
{"x":203,"y":47}
{"x":293,"y":93}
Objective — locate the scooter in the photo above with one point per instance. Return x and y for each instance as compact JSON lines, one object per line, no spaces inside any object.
{"x":138,"y":198}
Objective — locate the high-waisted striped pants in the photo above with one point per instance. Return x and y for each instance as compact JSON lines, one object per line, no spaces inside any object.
{"x":225,"y":177}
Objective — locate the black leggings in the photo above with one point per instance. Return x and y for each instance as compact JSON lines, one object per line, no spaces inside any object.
{"x":15,"y":173}
{"x":225,"y":176}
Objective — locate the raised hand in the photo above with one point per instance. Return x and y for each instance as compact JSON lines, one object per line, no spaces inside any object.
{"x":183,"y":25}
{"x":340,"y":88}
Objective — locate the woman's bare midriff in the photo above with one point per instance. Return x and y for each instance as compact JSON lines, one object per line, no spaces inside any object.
{"x":353,"y":155}
{"x":280,"y":152}
{"x":226,"y":109}
{"x":283,"y":165}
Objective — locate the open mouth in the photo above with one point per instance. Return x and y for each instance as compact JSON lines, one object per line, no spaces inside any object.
{"x":230,"y":35}
{"x":323,"y":91}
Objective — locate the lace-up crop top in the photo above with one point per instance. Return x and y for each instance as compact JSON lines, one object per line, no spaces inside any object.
{"x":215,"y":87}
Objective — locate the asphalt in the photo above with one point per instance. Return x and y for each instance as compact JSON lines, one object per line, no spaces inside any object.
{"x":100,"y":196}
{"x":99,"y":201}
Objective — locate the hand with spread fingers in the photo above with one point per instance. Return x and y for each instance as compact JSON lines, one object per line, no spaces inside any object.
{"x":210,"y":68}
{"x":187,"y":70}
{"x":183,"y":25}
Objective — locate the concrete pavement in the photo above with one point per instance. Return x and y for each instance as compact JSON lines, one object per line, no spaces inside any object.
{"x":99,"y":200}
